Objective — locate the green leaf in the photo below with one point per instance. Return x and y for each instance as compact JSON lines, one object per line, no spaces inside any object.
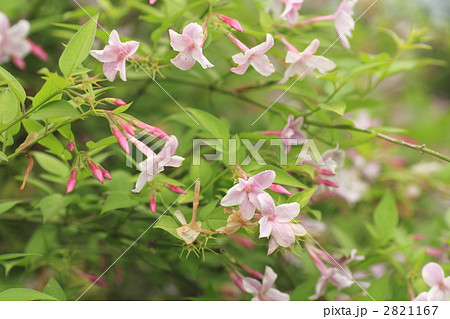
{"x":9,"y":106}
{"x":51,"y":164}
{"x":24,"y":294}
{"x":212,"y":124}
{"x":16,"y":255}
{"x":302,"y":197}
{"x":77,"y":50}
{"x":55,"y":109}
{"x":118,"y":200}
{"x":52,"y":207}
{"x":51,"y":142}
{"x":366,"y":138}
{"x":337,"y":107}
{"x":386,"y":216}
{"x":53,"y":85}
{"x":169,"y":224}
{"x":54,"y":289}
{"x":3,"y":157}
{"x":8,"y":205}
{"x":13,"y":84}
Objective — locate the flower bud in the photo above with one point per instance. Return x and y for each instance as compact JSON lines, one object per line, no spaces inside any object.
{"x":119,"y":102}
{"x":230,"y":21}
{"x":176,"y":189}
{"x":96,"y":171}
{"x":19,"y":62}
{"x":71,"y":146}
{"x":279,"y":189}
{"x":325,"y":182}
{"x":153,"y":203}
{"x":324,"y":172}
{"x":105,"y":173}
{"x":121,"y":140}
{"x":38,"y":51}
{"x":72,"y":181}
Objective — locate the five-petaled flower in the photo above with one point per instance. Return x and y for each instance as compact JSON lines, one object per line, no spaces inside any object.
{"x":292,"y":131}
{"x":278,"y":223}
{"x":343,"y":20}
{"x":255,"y":57}
{"x":434,"y":276}
{"x":304,"y":63}
{"x":115,"y":55}
{"x":249,"y":194}
{"x":13,"y":42}
{"x":155,"y":163}
{"x":290,"y":12}
{"x":264,"y":291}
{"x":190,"y":45}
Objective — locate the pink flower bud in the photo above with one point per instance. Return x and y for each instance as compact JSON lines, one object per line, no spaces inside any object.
{"x":238,"y":43}
{"x":176,"y":189}
{"x":279,"y":189}
{"x":324,"y":172}
{"x":19,"y":62}
{"x":252,"y":272}
{"x":237,"y":282}
{"x":230,"y":21}
{"x":435,"y":252}
{"x":121,"y":140}
{"x":128,"y":128}
{"x":38,"y":51}
{"x":71,"y":146}
{"x":92,"y":278}
{"x":72,"y":181}
{"x":152,"y":130}
{"x":152,"y":1}
{"x":153,"y":203}
{"x":119,"y":102}
{"x":96,"y":171}
{"x":325,"y":182}
{"x":105,"y":173}
{"x":244,"y":241}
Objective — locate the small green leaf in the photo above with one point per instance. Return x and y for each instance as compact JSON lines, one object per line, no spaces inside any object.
{"x":13,"y":84}
{"x":24,"y":294}
{"x":212,"y":124}
{"x":77,"y":50}
{"x":337,"y":107}
{"x":9,"y":106}
{"x":302,"y":197}
{"x":386,"y":216}
{"x":8,"y":205}
{"x":54,"y":289}
{"x":55,"y":109}
{"x":3,"y":157}
{"x":52,"y":207}
{"x":16,"y":255}
{"x":51,"y":164}
{"x":118,"y":200}
{"x":53,"y":85}
{"x":169,"y":224}
{"x":366,"y":138}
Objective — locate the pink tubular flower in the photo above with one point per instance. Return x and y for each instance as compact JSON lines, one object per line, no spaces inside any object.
{"x":249,"y":194}
{"x":277,"y":222}
{"x":189,"y":43}
{"x":38,"y":51}
{"x":264,"y":291}
{"x":176,"y":189}
{"x":71,"y":146}
{"x":230,"y":21}
{"x":155,"y":163}
{"x":292,"y":131}
{"x":122,"y":140}
{"x":343,"y":19}
{"x":13,"y":41}
{"x":19,"y":62}
{"x":290,"y":12}
{"x":119,"y":102}
{"x":304,"y":63}
{"x":254,"y":56}
{"x":434,"y":276}
{"x":152,"y":203}
{"x":72,"y":181}
{"x":279,"y":189}
{"x":156,"y":131}
{"x":105,"y":173}
{"x":96,"y":171}
{"x":115,"y":55}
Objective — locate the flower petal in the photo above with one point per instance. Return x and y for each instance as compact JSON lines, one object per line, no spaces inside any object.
{"x":269,"y":279}
{"x":251,"y":285}
{"x":262,"y":65}
{"x":233,"y":197}
{"x":287,"y":212}
{"x":433,"y":274}
{"x":264,"y":179}
{"x":275,"y":295}
{"x":265,"y":227}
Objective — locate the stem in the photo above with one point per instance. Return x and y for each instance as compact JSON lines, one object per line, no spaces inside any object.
{"x":314,"y":20}
{"x":195,"y":203}
{"x":421,"y":148}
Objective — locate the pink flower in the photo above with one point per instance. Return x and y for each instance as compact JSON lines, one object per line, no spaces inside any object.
{"x":254,"y":56}
{"x":264,"y":291}
{"x":152,"y":203}
{"x":155,"y":163}
{"x":152,"y":1}
{"x":292,"y":131}
{"x":290,"y":12}
{"x":72,"y":181}
{"x":304,"y":63}
{"x":230,"y":21}
{"x":105,"y":173}
{"x":96,"y":171}
{"x":277,"y":223}
{"x":249,"y":194}
{"x":434,"y":276}
{"x":176,"y":189}
{"x":189,"y":44}
{"x":333,"y":159}
{"x":115,"y":55}
{"x":343,"y":19}
{"x":121,"y":139}
{"x":13,"y":41}
{"x":279,"y":189}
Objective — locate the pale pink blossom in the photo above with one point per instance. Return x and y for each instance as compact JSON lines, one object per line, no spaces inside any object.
{"x":343,"y":19}
{"x":115,"y":55}
{"x":13,"y":42}
{"x":434,"y":276}
{"x":255,"y":57}
{"x":278,"y":223}
{"x":290,"y":12}
{"x":264,"y":291}
{"x":249,"y":194}
{"x":292,"y":131}
{"x":190,"y":45}
{"x":230,"y":21}
{"x":155,"y":163}
{"x":304,"y":63}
